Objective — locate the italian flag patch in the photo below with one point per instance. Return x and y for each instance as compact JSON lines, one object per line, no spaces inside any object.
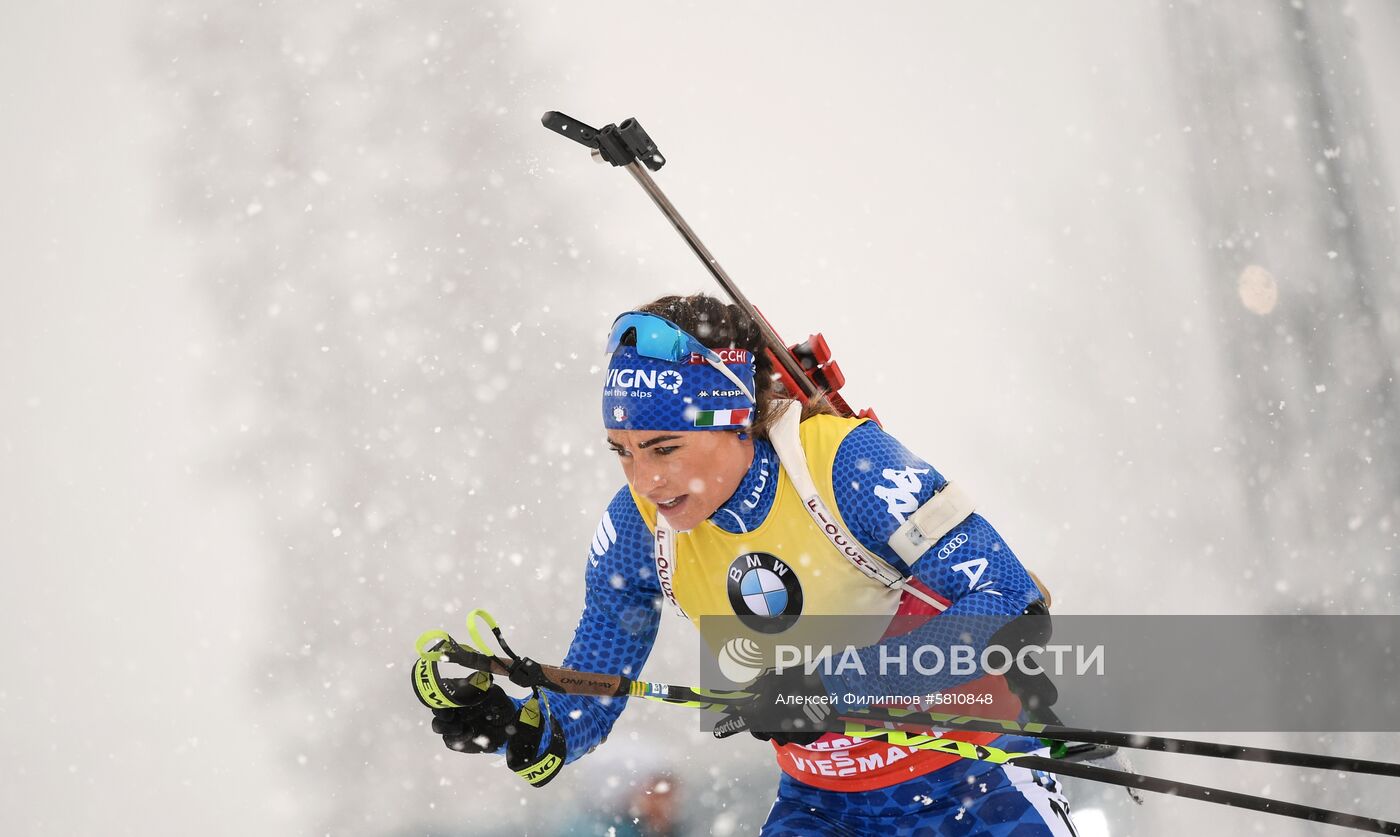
{"x":722,"y":418}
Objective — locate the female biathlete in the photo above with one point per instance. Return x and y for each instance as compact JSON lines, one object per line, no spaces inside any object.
{"x":740,"y":503}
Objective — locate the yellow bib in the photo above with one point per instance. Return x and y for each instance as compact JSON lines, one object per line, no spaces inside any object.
{"x":784,"y":569}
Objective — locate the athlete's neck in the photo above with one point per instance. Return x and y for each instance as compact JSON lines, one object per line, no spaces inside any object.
{"x":747,"y":507}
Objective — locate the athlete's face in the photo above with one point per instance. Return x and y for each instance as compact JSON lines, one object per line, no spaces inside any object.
{"x":688,"y":474}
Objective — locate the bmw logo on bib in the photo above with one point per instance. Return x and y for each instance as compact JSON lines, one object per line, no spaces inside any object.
{"x":764,"y":592}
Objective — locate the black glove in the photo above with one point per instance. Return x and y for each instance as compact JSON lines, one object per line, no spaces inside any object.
{"x":474,"y":715}
{"x":483,"y":719}
{"x":787,"y":708}
{"x":523,"y":754}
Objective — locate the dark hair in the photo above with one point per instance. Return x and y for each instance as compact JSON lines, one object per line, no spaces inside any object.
{"x":721,"y":325}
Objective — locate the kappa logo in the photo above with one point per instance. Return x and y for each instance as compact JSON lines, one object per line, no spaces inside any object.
{"x":764,"y":592}
{"x":903,"y":497}
{"x":603,"y":539}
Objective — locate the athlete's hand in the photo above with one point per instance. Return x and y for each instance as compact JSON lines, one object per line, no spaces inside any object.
{"x":482,"y":722}
{"x":474,"y":715}
{"x":789,"y":707}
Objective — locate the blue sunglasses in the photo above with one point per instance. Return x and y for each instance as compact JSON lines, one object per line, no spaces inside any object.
{"x":661,"y":339}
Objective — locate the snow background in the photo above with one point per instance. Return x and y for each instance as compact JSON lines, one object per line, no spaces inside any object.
{"x":251,"y":449}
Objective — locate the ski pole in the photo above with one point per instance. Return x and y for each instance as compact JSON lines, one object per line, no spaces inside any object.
{"x":1173,"y":787}
{"x":569,"y":681}
{"x":523,"y":671}
{"x":1155,"y":743}
{"x":528,"y":673}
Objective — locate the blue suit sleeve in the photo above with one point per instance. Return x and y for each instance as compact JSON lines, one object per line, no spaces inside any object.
{"x":621,"y":615}
{"x":878,"y":483}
